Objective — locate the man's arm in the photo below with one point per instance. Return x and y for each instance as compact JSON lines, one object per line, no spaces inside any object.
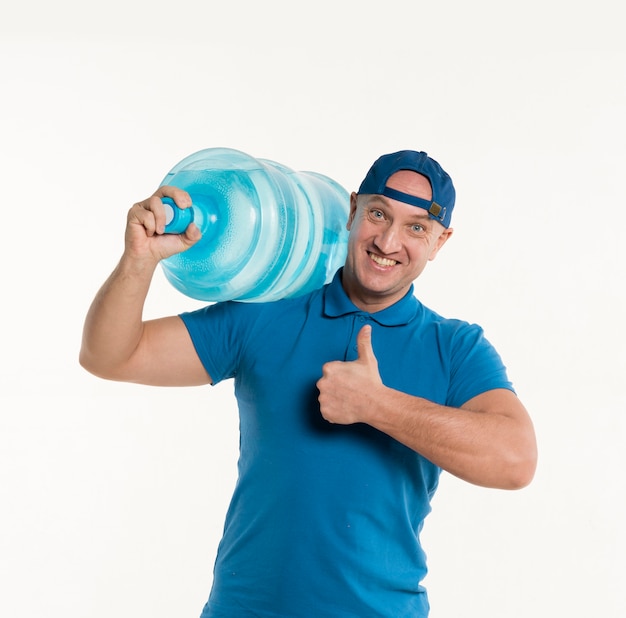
{"x":117,"y":344}
{"x":489,"y":441}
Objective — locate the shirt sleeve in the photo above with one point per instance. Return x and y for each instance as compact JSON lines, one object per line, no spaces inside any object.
{"x":219,"y":334}
{"x":476,"y":366}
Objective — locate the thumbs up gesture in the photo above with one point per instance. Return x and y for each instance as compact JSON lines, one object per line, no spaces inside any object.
{"x":348,"y":390}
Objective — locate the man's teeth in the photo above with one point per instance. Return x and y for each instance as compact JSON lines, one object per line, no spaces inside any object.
{"x":382,"y":261}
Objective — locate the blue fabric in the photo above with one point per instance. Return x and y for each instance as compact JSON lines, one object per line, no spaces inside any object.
{"x":325,"y":519}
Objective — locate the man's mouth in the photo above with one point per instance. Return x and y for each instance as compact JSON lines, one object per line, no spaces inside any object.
{"x":381,"y":261}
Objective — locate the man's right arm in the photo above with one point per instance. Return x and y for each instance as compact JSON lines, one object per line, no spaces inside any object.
{"x":117,"y":344}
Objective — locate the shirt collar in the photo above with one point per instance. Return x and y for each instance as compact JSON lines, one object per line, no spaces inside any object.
{"x":337,"y":303}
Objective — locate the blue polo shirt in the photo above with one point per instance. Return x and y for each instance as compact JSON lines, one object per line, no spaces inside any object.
{"x":325,"y":519}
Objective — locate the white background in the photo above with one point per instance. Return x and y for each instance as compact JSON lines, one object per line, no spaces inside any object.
{"x":112,"y":495}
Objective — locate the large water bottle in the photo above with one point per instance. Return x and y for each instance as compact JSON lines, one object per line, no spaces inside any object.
{"x":267,"y":232}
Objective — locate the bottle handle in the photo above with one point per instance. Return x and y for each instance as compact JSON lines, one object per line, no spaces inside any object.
{"x":176,"y":219}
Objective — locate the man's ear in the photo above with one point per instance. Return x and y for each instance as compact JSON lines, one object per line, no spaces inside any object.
{"x":441,"y":241}
{"x":353,"y":204}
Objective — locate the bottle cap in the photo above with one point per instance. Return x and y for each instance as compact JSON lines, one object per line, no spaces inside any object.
{"x":176,"y":219}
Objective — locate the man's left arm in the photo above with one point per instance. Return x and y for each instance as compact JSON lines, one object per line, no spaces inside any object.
{"x":488,"y":441}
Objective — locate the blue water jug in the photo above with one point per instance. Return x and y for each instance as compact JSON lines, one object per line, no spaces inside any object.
{"x":268,"y":232}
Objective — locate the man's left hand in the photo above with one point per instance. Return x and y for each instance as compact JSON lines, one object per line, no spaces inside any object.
{"x":348,"y":389}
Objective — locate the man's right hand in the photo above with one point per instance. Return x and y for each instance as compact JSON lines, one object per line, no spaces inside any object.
{"x":145,"y":238}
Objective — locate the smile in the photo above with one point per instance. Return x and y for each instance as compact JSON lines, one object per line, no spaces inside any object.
{"x":381,"y":261}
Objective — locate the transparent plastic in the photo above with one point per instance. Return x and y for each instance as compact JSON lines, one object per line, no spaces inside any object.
{"x":268,"y":232}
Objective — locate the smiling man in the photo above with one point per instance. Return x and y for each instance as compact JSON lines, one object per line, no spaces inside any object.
{"x":352,"y":400}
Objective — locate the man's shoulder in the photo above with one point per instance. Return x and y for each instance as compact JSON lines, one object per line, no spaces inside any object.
{"x":283,"y":310}
{"x":450,"y":324}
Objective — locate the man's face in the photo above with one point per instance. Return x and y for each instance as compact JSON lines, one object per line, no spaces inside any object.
{"x":390,"y":243}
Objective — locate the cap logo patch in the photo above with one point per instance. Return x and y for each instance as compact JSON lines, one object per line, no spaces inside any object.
{"x":435,"y":210}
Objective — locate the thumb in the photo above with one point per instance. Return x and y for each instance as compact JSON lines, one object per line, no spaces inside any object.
{"x":191,"y":236}
{"x":364,"y":344}
{"x":173,"y":244}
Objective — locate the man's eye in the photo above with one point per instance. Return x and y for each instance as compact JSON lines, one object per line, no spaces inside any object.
{"x":377,"y":214}
{"x":417,"y":228}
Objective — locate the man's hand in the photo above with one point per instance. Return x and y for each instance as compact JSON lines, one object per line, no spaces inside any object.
{"x":146,"y":224}
{"x":348,"y":390}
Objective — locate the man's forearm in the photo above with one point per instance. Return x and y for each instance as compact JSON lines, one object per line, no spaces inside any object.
{"x":489,"y":442}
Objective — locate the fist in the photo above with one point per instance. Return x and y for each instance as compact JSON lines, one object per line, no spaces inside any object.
{"x":146,"y":225}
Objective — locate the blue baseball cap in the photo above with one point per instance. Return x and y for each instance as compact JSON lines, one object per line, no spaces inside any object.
{"x":439,"y":208}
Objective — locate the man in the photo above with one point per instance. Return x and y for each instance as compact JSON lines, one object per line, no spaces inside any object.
{"x":352,"y":399}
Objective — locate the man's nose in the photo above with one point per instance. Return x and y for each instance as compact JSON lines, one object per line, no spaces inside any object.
{"x":388,"y":241}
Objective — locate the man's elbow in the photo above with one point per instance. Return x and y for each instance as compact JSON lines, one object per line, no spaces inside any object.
{"x":520,"y":468}
{"x":94,"y":365}
{"x":519,"y":455}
